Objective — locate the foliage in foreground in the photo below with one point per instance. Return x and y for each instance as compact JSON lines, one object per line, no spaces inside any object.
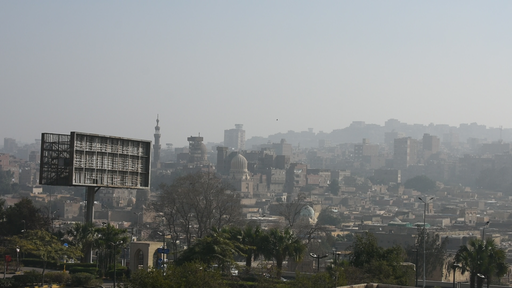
{"x":372,"y":263}
{"x":191,"y":274}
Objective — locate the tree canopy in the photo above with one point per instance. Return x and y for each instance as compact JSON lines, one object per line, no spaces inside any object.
{"x":371,"y":262}
{"x":435,"y":251}
{"x":481,"y":257}
{"x":421,"y":183}
{"x":195,"y":203}
{"x":22,"y":216}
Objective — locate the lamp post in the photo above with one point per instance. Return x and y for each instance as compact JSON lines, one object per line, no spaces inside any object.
{"x":455,"y":266}
{"x":483,"y":230}
{"x":318,"y":257}
{"x":482,"y":277}
{"x":17,"y":258}
{"x":115,"y":271}
{"x":427,"y":200}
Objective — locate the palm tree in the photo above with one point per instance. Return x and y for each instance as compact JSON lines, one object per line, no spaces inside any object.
{"x":280,"y":244}
{"x":251,"y":239}
{"x":108,"y":237}
{"x":83,"y":237}
{"x":495,"y":262}
{"x":481,"y":257}
{"x":215,"y":248}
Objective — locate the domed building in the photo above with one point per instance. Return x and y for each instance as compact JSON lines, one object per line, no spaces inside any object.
{"x":308,"y":214}
{"x":239,"y":176}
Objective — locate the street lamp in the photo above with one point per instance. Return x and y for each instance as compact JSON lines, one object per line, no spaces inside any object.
{"x":115,"y":272}
{"x":17,"y":258}
{"x":318,"y":257}
{"x":483,"y":230}
{"x":482,"y":277}
{"x":425,"y":237}
{"x":455,"y":266}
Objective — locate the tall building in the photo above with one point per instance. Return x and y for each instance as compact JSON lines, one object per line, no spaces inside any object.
{"x":197,"y":150}
{"x":235,"y":138}
{"x":282,"y":148}
{"x":156,"y":146}
{"x":365,"y":149}
{"x":10,"y":145}
{"x":222,"y":154}
{"x":405,"y":152}
{"x":431,"y":145}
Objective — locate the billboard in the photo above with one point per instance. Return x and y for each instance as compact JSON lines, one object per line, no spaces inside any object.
{"x":84,"y":159}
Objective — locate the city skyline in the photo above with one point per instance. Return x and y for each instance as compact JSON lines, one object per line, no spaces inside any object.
{"x":110,"y":67}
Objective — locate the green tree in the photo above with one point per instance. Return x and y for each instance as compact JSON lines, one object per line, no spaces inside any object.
{"x":327,"y":217}
{"x":107,"y":238}
{"x":193,"y":274}
{"x":23,"y":215}
{"x":45,"y":245}
{"x":251,"y":238}
{"x":435,"y":252}
{"x":481,"y":257}
{"x":421,"y":183}
{"x":281,"y":244}
{"x":376,"y":263}
{"x":82,"y":236}
{"x":215,"y":248}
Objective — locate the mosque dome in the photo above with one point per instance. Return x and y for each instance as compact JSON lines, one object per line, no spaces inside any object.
{"x":239,"y":163}
{"x":307,"y":211}
{"x":203,"y":148}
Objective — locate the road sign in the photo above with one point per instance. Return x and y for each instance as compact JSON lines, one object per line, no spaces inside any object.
{"x":161,"y":250}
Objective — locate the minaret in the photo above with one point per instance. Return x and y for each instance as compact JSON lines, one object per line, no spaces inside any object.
{"x":156,"y":146}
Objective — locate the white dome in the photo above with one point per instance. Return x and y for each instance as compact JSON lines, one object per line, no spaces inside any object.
{"x":307,"y":211}
{"x":239,"y":163}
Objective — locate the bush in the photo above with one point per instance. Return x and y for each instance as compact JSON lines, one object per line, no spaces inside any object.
{"x":82,"y":279}
{"x":26,"y":279}
{"x":120,"y":272}
{"x":57,"y":277}
{"x":7,"y":282}
{"x":90,"y":270}
{"x":72,"y":265}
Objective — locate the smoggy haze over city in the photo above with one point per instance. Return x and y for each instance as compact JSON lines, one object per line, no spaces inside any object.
{"x":111,"y":67}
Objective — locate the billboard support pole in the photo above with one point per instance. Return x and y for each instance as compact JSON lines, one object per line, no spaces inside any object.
{"x":91,"y":191}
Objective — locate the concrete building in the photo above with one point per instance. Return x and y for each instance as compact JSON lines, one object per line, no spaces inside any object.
{"x":235,"y":138}
{"x":405,"y":152}
{"x":365,"y":149}
{"x":10,"y":145}
{"x":197,"y":150}
{"x":282,"y":148}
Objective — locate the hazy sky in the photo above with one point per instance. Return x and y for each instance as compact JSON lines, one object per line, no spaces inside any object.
{"x":109,"y":67}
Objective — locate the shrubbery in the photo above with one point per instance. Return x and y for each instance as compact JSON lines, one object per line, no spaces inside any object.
{"x":83,"y":279}
{"x":57,"y":277}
